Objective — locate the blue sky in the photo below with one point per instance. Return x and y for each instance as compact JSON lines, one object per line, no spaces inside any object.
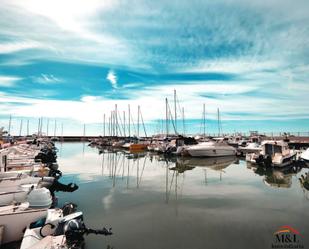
{"x":73,"y":60}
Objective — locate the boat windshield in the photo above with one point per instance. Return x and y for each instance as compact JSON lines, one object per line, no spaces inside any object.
{"x":271,"y":149}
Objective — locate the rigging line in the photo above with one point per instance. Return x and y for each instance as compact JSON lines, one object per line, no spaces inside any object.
{"x":134,"y":127}
{"x":178,"y":102}
{"x":121,"y":124}
{"x":172,"y":120}
{"x":140,"y":177}
{"x":143,"y":122}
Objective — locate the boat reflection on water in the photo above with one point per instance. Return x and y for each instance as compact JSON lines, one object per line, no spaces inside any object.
{"x":215,"y":163}
{"x":277,"y":178}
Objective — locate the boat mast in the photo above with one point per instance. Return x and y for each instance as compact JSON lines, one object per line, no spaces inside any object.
{"x":175,"y":111}
{"x":143,"y":122}
{"x":109,"y":126}
{"x":28,"y":127}
{"x":183,"y":121}
{"x":204,"y":120}
{"x":47,"y":128}
{"x":104,"y":125}
{"x":129,"y":111}
{"x":39,"y":125}
{"x":124,"y":123}
{"x":10,"y":123}
{"x":61,"y":131}
{"x":166,"y":115}
{"x":138,"y":121}
{"x":116,"y":120}
{"x":218,"y":113}
{"x":20,"y":127}
{"x":55,"y":128}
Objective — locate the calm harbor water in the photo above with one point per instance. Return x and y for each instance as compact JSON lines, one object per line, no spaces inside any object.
{"x":186,"y":203}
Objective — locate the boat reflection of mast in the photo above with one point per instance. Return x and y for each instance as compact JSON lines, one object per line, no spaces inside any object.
{"x":168,"y":185}
{"x":205,"y":172}
{"x":102,"y":165}
{"x":128,"y":175}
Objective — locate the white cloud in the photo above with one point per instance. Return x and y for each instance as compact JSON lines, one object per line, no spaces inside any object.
{"x":8,"y":81}
{"x":6,"y":48}
{"x":47,"y":79}
{"x":112,"y":77}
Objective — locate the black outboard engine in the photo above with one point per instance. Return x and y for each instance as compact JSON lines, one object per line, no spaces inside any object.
{"x":74,"y":233}
{"x":74,"y":229}
{"x":58,"y":186}
{"x":267,"y":161}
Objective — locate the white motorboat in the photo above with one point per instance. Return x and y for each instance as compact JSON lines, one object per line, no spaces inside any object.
{"x":250,"y":148}
{"x":11,"y":179}
{"x":273,"y":153}
{"x":37,"y":197}
{"x":305,"y":156}
{"x":61,"y":228}
{"x":211,"y":149}
{"x":35,"y":234}
{"x":15,"y":218}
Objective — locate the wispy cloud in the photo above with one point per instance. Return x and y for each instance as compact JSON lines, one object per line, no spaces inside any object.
{"x":47,"y":79}
{"x":8,"y":81}
{"x":6,"y":48}
{"x":112,"y":78}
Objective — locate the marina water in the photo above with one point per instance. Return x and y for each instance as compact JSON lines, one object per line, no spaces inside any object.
{"x":155,"y":202}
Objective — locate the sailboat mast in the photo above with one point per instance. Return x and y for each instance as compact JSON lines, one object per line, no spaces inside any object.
{"x":129,"y":111}
{"x":175,"y":111}
{"x":204,"y":119}
{"x":55,"y":128}
{"x":20,"y":127}
{"x":116,"y":120}
{"x":47,"y":128}
{"x":218,"y":112}
{"x":124,"y":123}
{"x":166,"y":115}
{"x":138,"y":121}
{"x":28,"y":127}
{"x":183,"y":121}
{"x":41,"y":126}
{"x":10,"y":123}
{"x":104,"y":125}
{"x":61,"y":131}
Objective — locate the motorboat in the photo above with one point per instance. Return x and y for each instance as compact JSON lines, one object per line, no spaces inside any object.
{"x":11,"y":179}
{"x":305,"y":156}
{"x":36,"y":196}
{"x":47,"y":226}
{"x":61,"y":228}
{"x":211,"y":149}
{"x":249,"y":148}
{"x":16,"y":217}
{"x":273,"y":153}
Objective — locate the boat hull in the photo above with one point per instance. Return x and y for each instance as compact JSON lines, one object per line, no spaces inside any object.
{"x":211,"y":152}
{"x":14,"y":223}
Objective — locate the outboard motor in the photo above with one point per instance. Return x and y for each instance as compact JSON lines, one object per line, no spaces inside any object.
{"x":74,"y":228}
{"x":58,"y":186}
{"x":267,"y":161}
